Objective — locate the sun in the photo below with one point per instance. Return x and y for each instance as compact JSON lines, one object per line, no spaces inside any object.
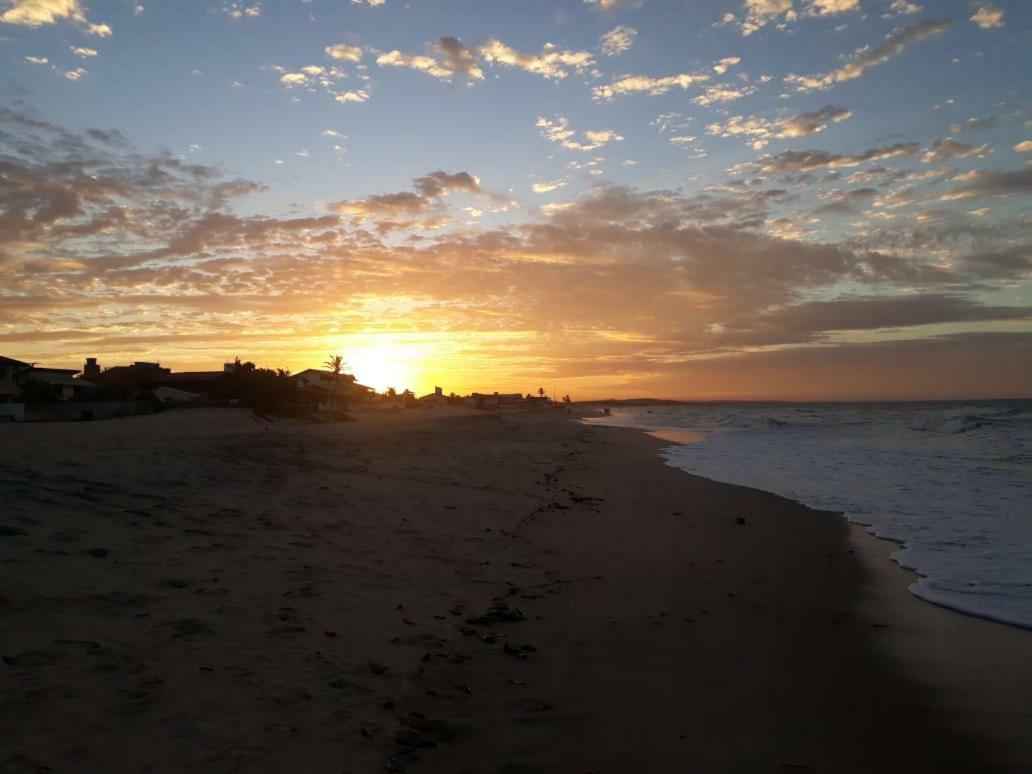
{"x":380,"y":367}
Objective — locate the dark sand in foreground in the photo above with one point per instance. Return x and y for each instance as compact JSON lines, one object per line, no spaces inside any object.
{"x":202,"y":590}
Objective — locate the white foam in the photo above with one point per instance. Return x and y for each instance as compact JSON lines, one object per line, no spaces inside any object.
{"x":951,"y":483}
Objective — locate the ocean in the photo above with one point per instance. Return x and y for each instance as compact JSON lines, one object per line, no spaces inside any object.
{"x":950,"y":482}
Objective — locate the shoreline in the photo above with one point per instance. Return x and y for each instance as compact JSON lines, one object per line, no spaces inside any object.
{"x":678,"y":437}
{"x":461,"y":592}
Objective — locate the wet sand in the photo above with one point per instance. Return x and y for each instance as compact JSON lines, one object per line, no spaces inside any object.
{"x":460,"y":592}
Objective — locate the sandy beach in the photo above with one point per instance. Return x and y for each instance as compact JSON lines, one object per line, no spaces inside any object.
{"x":461,"y":591}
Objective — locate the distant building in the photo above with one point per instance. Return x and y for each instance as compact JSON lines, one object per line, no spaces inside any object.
{"x":128,"y":377}
{"x":325,"y":387}
{"x":495,"y":399}
{"x":144,"y":375}
{"x":59,"y":383}
{"x":434,"y":398}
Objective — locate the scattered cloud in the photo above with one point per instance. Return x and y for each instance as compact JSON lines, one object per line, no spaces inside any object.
{"x":240,"y":10}
{"x":948,"y":148}
{"x":446,"y":59}
{"x":344,"y":52}
{"x":721,"y":93}
{"x":558,"y":130}
{"x":983,"y":183}
{"x":902,"y":8}
{"x":1025,"y":146}
{"x":618,"y":40}
{"x":866,"y":57}
{"x":36,"y":13}
{"x":791,"y":161}
{"x":421,"y":208}
{"x":759,"y":13}
{"x":40,"y":60}
{"x":987,"y":17}
{"x":761,"y":130}
{"x":612,"y":5}
{"x":551,"y":63}
{"x":722,"y":65}
{"x":83,"y":52}
{"x":76,"y":74}
{"x":830,"y":7}
{"x":645,"y":84}
{"x":640,"y":281}
{"x":547,"y":187}
{"x":975,"y":124}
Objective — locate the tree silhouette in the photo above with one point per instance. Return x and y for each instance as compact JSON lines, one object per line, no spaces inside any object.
{"x":541,"y":392}
{"x":335,"y":363}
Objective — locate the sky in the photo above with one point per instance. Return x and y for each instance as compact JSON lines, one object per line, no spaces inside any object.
{"x":752,"y":199}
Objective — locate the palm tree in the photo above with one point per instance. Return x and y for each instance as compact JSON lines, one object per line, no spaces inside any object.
{"x":541,"y":392}
{"x":335,"y":363}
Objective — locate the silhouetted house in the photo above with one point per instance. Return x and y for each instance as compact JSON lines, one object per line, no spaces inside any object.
{"x":9,"y":370}
{"x":128,"y":378}
{"x":56,"y":383}
{"x":495,"y":399}
{"x":143,"y":375}
{"x":199,"y":382}
{"x":435,"y":398}
{"x":325,"y":387}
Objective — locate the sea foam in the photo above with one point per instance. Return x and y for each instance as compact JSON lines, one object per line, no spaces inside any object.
{"x":950,"y":482}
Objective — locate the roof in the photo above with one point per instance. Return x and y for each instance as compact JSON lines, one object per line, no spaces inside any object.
{"x":8,"y":361}
{"x":57,"y":377}
{"x":326,"y":376}
{"x":186,"y":376}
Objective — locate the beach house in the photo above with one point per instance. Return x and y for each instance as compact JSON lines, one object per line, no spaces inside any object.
{"x":435,"y":398}
{"x":325,"y":387}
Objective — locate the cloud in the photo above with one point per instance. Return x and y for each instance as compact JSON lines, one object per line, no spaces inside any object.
{"x":864,"y":58}
{"x":356,"y":95}
{"x":830,"y":7}
{"x":76,"y":74}
{"x":344,"y":52}
{"x":902,"y":8}
{"x":36,"y":13}
{"x":83,"y":52}
{"x":612,"y":5}
{"x":40,"y":60}
{"x":1025,"y":146}
{"x":558,"y":130}
{"x":546,"y":187}
{"x":948,"y":148}
{"x":420,"y":208}
{"x":241,"y":10}
{"x":372,"y":3}
{"x":979,"y":183}
{"x":314,"y":78}
{"x":103,"y":245}
{"x":759,"y":13}
{"x":975,"y":124}
{"x":721,"y":93}
{"x":447,"y":58}
{"x":638,"y":84}
{"x":551,"y":63}
{"x":793,"y":161}
{"x":722,"y":65}
{"x":813,"y":321}
{"x":618,"y":40}
{"x":987,"y":17}
{"x":763,"y":130}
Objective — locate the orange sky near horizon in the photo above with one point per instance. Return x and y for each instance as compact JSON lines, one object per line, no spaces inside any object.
{"x":792,"y":200}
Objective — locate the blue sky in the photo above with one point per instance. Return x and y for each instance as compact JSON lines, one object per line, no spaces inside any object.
{"x":871,"y":127}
